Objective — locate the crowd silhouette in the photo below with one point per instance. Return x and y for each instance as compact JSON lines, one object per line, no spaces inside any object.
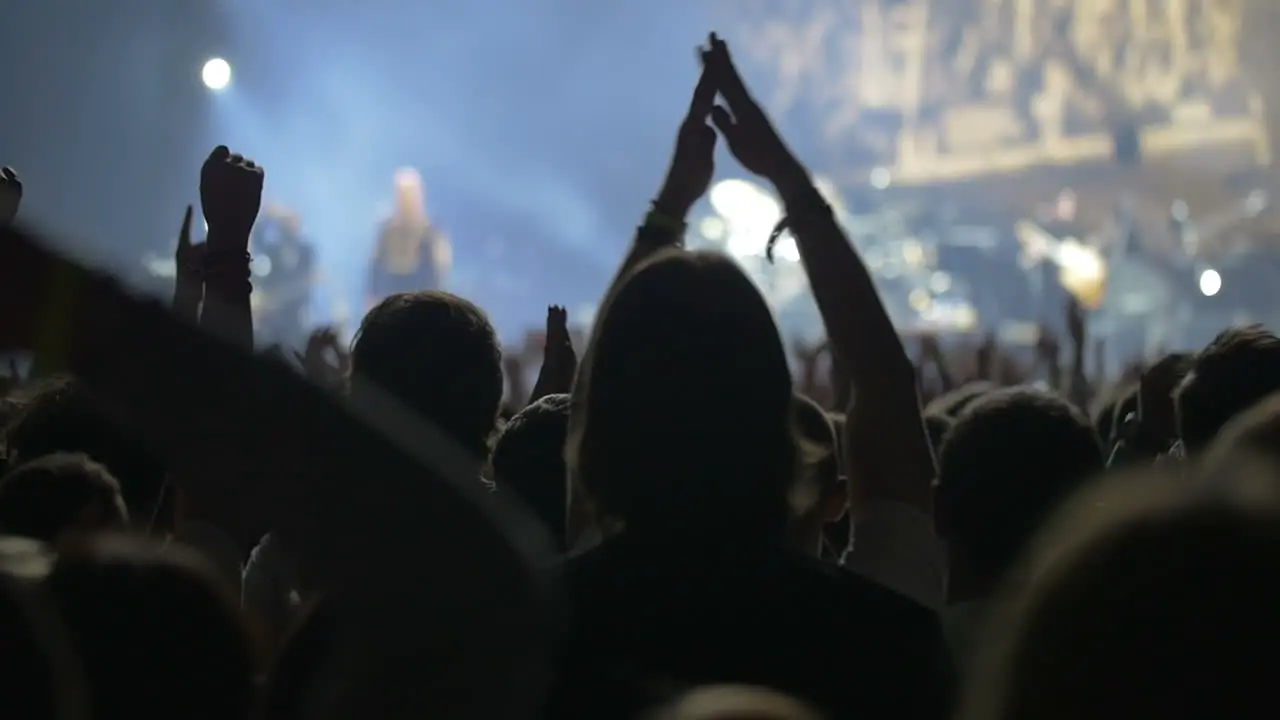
{"x":683,"y":519}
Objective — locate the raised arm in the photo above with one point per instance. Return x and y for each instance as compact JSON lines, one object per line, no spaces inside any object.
{"x":188,"y":284}
{"x":559,"y":361}
{"x":688,"y":177}
{"x":231,"y":194}
{"x":886,"y":408}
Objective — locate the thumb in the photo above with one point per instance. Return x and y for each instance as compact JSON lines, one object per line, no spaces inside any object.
{"x":723,"y":121}
{"x":707,"y":137}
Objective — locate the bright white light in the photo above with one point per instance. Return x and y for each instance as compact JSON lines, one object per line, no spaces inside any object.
{"x":881,"y":178}
{"x":216,"y":74}
{"x":712,"y":228}
{"x":1210,"y":283}
{"x":750,"y":213}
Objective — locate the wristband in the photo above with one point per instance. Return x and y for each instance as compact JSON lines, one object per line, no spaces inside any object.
{"x":807,"y":205}
{"x":52,"y":351}
{"x":659,"y":220}
{"x":225,"y":260}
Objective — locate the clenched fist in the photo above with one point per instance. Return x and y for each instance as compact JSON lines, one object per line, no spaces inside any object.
{"x":10,"y":195}
{"x":231,"y":193}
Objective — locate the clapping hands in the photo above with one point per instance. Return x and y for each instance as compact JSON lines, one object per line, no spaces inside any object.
{"x":558,"y":355}
{"x":693,"y":163}
{"x":747,"y":130}
{"x":10,"y":195}
{"x":559,"y":360}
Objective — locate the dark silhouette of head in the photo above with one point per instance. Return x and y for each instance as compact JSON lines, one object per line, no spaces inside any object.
{"x":41,"y":677}
{"x":1240,"y":367}
{"x":528,"y":462}
{"x":438,"y":354}
{"x":1145,"y":598}
{"x":953,"y":402}
{"x":62,"y":418}
{"x":682,"y":419}
{"x":1008,"y":462}
{"x":58,"y":497}
{"x":156,"y":634}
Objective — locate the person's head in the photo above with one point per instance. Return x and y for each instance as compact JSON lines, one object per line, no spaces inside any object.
{"x":60,"y":497}
{"x":528,"y":461}
{"x":1238,"y":368}
{"x":952,"y":403}
{"x":1109,"y":410}
{"x":1255,"y":431}
{"x":682,"y":413}
{"x":156,"y":634}
{"x":438,"y":354}
{"x":1009,"y":460}
{"x":41,"y":679}
{"x":821,"y":493}
{"x":61,"y":418}
{"x":1145,"y":598}
{"x":732,"y":702}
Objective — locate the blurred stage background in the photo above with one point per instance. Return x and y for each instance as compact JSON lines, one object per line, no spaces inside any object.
{"x":542,"y":128}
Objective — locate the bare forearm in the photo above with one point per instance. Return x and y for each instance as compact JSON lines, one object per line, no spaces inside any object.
{"x":227,"y":312}
{"x":865,"y":343}
{"x":861,"y":334}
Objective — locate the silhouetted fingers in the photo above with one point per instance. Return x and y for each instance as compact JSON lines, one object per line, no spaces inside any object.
{"x":723,"y":120}
{"x":184,"y":235}
{"x":727,"y":79}
{"x":704,"y":95}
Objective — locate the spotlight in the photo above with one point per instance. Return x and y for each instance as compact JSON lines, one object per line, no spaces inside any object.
{"x":216,"y":74}
{"x":1210,"y":282}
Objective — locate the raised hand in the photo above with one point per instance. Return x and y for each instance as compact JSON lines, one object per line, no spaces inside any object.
{"x":559,"y":361}
{"x":231,"y":195}
{"x":188,"y":286}
{"x":326,"y":362}
{"x":693,"y":162}
{"x":10,"y":195}
{"x":751,"y":137}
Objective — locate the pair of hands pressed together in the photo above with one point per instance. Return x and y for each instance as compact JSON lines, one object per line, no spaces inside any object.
{"x":745,"y":127}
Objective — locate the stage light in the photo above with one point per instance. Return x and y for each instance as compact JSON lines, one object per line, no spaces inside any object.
{"x":749,"y":213}
{"x":1210,"y":282}
{"x":216,"y":74}
{"x":881,"y":178}
{"x":712,"y":228}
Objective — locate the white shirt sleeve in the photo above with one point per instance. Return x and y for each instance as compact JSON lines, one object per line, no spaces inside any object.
{"x":894,"y":545}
